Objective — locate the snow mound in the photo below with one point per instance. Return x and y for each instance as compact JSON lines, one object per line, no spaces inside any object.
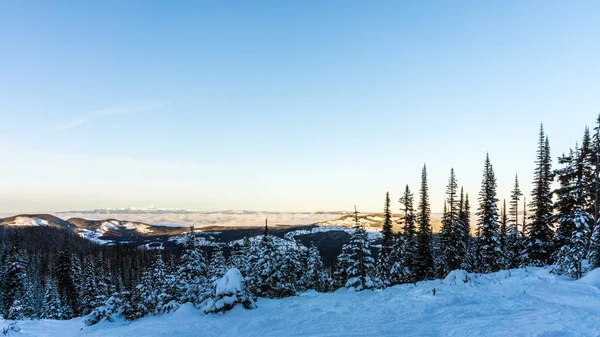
{"x":592,"y":278}
{"x":230,"y":283}
{"x":458,"y":276}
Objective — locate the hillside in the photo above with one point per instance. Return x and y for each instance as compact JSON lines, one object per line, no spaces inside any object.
{"x":507,"y":303}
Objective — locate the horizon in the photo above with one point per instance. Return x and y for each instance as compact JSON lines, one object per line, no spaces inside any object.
{"x":292,"y":107}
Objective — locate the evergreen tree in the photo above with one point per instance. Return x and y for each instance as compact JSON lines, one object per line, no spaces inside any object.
{"x":594,"y":188}
{"x":53,"y":306}
{"x":513,"y":222}
{"x":89,"y":289}
{"x":409,"y":233}
{"x":400,"y":271}
{"x":574,"y":222}
{"x":361,"y":267}
{"x":452,"y":248}
{"x":488,"y":244}
{"x":314,"y":277}
{"x":229,"y":291}
{"x":217,"y":266}
{"x":503,"y":234}
{"x":538,"y":246}
{"x":423,"y":267}
{"x":464,"y":226}
{"x":385,"y":261}
{"x":192,"y":273}
{"x":67,"y":287}
{"x":12,"y":282}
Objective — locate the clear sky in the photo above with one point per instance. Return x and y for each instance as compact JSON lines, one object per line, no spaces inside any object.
{"x":284,"y":105}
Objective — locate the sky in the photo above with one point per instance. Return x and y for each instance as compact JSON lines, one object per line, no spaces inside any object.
{"x":284,"y":105}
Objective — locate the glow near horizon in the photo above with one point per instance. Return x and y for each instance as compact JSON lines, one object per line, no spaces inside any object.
{"x":284,"y":106}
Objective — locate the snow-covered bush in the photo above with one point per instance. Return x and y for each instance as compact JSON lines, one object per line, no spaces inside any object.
{"x":229,"y":292}
{"x":109,"y":310}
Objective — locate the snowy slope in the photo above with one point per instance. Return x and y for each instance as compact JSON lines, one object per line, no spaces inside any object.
{"x":516,"y":303}
{"x":24,"y":221}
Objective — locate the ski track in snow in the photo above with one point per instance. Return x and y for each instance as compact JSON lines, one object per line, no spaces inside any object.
{"x":528,"y":303}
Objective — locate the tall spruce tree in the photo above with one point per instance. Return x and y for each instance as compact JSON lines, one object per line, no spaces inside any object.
{"x":489,"y":252}
{"x":464,"y":227}
{"x":538,"y":245}
{"x":574,"y":223}
{"x":594,"y":188}
{"x":384,"y":260}
{"x":513,"y":245}
{"x":424,"y":265}
{"x":503,"y":231}
{"x":409,"y":230}
{"x":452,"y":247}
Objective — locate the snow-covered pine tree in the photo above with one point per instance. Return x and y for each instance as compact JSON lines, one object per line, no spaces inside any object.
{"x":112,"y":307}
{"x":574,"y":222}
{"x":514,"y":238}
{"x":192,"y":274}
{"x":423,"y":267}
{"x":239,"y":256}
{"x":566,"y":198}
{"x":385,"y":259}
{"x":77,"y":279}
{"x":594,"y":188}
{"x":273,"y":270}
{"x":314,"y":277}
{"x":489,"y":253}
{"x":53,"y":307}
{"x":538,"y":243}
{"x":463,"y":226}
{"x":217,"y":266}
{"x":409,"y":231}
{"x":503,"y":234}
{"x":67,"y":288}
{"x":102,"y":281}
{"x":89,"y":289}
{"x":451,"y":240}
{"x":13,"y":280}
{"x":361,"y":269}
{"x":229,"y":291}
{"x":400,"y":272}
{"x":342,"y":265}
{"x":154,"y":294}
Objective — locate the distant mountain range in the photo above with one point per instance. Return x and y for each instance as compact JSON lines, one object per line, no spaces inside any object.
{"x":154,"y":210}
{"x":101,"y":231}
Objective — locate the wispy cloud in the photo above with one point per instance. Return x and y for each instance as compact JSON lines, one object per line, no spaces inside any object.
{"x":111,"y":111}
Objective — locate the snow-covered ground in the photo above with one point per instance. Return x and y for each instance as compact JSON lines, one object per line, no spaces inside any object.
{"x":373,"y":234}
{"x":23,"y":221}
{"x":515,"y":303}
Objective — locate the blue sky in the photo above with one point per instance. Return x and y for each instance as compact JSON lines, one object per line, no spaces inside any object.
{"x":284,"y":105}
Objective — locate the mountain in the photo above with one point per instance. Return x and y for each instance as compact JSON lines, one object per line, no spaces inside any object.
{"x":29,"y":220}
{"x":101,"y":231}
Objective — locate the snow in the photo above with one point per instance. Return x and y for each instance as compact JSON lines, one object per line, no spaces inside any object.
{"x":457,"y":277}
{"x":507,"y":303}
{"x":92,"y":236}
{"x":24,"y":221}
{"x":373,"y":234}
{"x":592,"y":278}
{"x":230,"y":283}
{"x":119,"y":225}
